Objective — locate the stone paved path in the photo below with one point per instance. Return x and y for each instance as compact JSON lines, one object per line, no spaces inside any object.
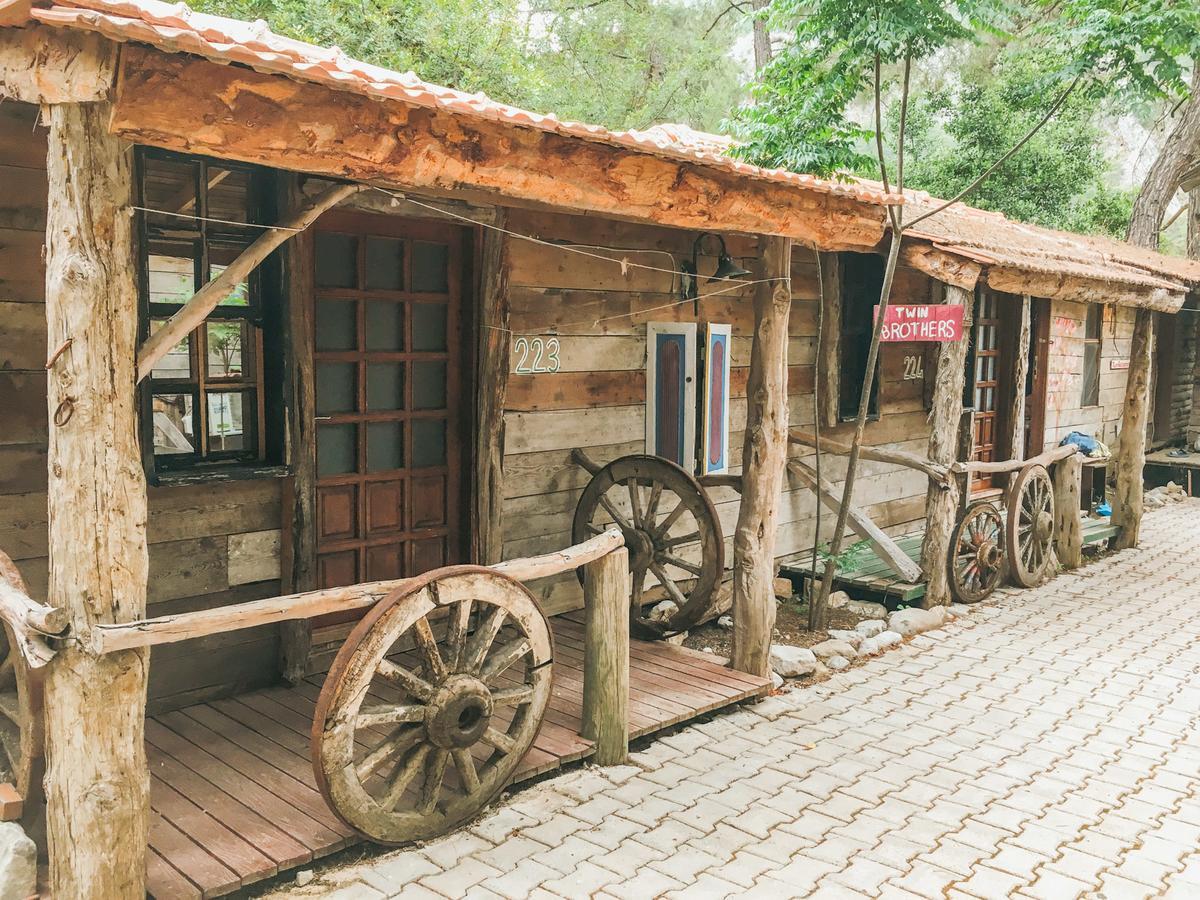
{"x":1045,"y":746}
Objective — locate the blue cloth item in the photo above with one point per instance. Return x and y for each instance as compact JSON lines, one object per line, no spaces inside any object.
{"x":1104,"y":509}
{"x":1085,"y":442}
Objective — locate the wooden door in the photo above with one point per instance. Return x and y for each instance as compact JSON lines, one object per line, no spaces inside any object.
{"x":391,"y":398}
{"x":1036,"y":378}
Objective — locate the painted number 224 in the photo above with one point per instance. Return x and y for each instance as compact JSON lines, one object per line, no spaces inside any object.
{"x":914,"y":367}
{"x":536,"y":355}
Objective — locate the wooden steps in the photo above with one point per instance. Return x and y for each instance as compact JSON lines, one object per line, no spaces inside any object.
{"x":232,"y":794}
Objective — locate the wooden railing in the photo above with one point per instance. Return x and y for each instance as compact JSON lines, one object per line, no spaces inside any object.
{"x":30,"y":622}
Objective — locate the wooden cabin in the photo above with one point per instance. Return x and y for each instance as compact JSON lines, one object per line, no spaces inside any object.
{"x":400,"y":386}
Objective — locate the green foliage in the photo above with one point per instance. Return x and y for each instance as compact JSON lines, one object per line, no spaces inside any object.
{"x":619,"y":63}
{"x":1057,"y":180}
{"x":849,"y":559}
{"x":800,"y":117}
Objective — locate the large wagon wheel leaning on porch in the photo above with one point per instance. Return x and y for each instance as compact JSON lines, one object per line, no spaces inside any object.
{"x":671,"y":530}
{"x":976,"y":561}
{"x":21,"y":725}
{"x":1030,"y":525}
{"x":431,"y":704}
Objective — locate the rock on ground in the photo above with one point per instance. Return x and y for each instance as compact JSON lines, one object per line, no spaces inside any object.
{"x":662,"y":612}
{"x":725,"y":622}
{"x":18,"y":863}
{"x":828,"y":649}
{"x":837,"y":663}
{"x":870,"y":628}
{"x":959,"y":609}
{"x":776,"y":680}
{"x":792,"y":661}
{"x":783,"y":588}
{"x":853,"y":638}
{"x":907,"y":622}
{"x":838,"y":599}
{"x":866,"y":609}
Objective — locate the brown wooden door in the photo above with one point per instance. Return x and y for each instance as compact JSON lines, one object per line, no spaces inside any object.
{"x":391,"y":398}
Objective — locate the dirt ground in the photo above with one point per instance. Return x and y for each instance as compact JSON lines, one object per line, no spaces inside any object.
{"x":791,"y":627}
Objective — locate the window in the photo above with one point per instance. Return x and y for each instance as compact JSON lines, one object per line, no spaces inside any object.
{"x":1092,"y":330}
{"x":862,"y":282}
{"x":204,"y":399}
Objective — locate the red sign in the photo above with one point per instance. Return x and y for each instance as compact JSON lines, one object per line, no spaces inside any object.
{"x":1118,"y":364}
{"x":923,"y":322}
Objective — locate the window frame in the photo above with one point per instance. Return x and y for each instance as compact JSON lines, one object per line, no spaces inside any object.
{"x":261,"y":393}
{"x":1091,"y":392}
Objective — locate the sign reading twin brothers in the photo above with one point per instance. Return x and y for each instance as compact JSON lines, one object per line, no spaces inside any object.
{"x":922,"y":322}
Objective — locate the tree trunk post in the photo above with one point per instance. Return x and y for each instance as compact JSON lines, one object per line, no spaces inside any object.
{"x":1016,"y":436}
{"x":493,"y":366}
{"x":1131,"y":444}
{"x":764,"y":455}
{"x":97,"y":783}
{"x":941,"y":504}
{"x":1068,"y":530}
{"x":606,"y":657}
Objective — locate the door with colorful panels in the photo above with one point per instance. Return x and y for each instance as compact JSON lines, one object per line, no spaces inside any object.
{"x":390,"y":398}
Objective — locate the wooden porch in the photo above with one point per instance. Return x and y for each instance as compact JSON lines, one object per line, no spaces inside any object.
{"x":233,"y":799}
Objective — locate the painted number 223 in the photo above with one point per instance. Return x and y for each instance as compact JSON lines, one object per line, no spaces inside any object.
{"x":536,"y":355}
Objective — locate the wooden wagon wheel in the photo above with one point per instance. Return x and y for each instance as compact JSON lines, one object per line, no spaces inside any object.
{"x":976,"y":562}
{"x":1030,"y":525}
{"x":21,"y":725}
{"x":671,"y":530}
{"x":431,"y":703}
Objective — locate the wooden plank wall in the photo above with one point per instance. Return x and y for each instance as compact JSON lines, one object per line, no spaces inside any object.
{"x":597,"y":400}
{"x":1064,"y":386}
{"x":209,"y":545}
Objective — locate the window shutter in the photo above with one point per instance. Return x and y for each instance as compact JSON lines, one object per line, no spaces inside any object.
{"x":716,"y":400}
{"x":671,"y":392}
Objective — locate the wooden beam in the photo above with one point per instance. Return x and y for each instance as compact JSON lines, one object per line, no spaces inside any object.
{"x":1081,"y":290}
{"x":605,"y":713}
{"x":53,"y":65}
{"x":97,"y":783}
{"x":15,"y":12}
{"x":1068,"y":530}
{"x":196,"y":310}
{"x":1046,"y":458}
{"x":184,"y":103}
{"x":942,"y":502}
{"x":1020,"y":371}
{"x":1131,"y":443}
{"x":886,"y":548}
{"x":764,"y":454}
{"x":296,"y":636}
{"x":941,"y":265}
{"x":830,"y":390}
{"x":938,"y":473}
{"x":185,"y":626}
{"x":491,"y":380}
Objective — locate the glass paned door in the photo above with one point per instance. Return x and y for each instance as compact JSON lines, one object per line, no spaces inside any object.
{"x":390,"y":398}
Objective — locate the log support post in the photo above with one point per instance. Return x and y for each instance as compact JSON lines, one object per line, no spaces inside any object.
{"x":493,"y":365}
{"x":1020,"y":372}
{"x":1068,"y":530}
{"x":97,"y":782}
{"x":764,"y":455}
{"x":942,"y":503}
{"x":606,"y":657}
{"x":1131,"y":444}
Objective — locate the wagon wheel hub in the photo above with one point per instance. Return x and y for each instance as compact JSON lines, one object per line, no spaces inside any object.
{"x":1043,"y":525}
{"x":459,"y":713}
{"x":641,"y":548}
{"x":988,"y":554}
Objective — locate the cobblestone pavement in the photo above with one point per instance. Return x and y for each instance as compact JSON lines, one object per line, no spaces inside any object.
{"x":1045,"y":746}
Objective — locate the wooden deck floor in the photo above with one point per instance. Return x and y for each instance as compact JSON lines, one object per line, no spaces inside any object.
{"x":232,"y":794}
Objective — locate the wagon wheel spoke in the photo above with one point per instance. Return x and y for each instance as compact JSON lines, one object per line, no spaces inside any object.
{"x":435,"y":667}
{"x":672,"y":517}
{"x":618,"y":517}
{"x":668,"y":584}
{"x":435,"y":772}
{"x":651,"y":516}
{"x":674,"y":560}
{"x":482,"y":640}
{"x":689,"y":538}
{"x":403,"y":776}
{"x":399,"y":741}
{"x":385,"y":714}
{"x":465,"y":764}
{"x":499,"y":662}
{"x":514,"y":696}
{"x":456,"y":633}
{"x":499,"y":740}
{"x":639,"y":584}
{"x":635,"y":501}
{"x":8,"y":671}
{"x":409,"y":681}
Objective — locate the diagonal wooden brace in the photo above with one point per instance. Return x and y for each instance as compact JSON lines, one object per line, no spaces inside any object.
{"x":205,"y":300}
